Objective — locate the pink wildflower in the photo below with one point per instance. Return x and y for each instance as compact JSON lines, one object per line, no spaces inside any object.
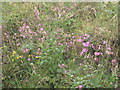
{"x":114,"y":61}
{"x":66,"y":43}
{"x":97,"y":53}
{"x":87,"y":56}
{"x":109,"y":52}
{"x":59,"y":65}
{"x":104,"y":42}
{"x":108,"y":48}
{"x":20,"y":30}
{"x":86,"y":44}
{"x":96,"y":59}
{"x":80,"y":64}
{"x":39,"y":24}
{"x":27,"y":27}
{"x":80,"y":36}
{"x":21,"y":61}
{"x":79,"y":40}
{"x":63,"y":65}
{"x":21,"y":35}
{"x":67,"y":8}
{"x":24,"y":36}
{"x":41,"y":29}
{"x":28,"y":59}
{"x":67,"y":56}
{"x":84,"y":50}
{"x":86,"y":35}
{"x":36,"y":34}
{"x":118,"y":75}
{"x":5,"y":33}
{"x":26,"y":50}
{"x":22,"y":56}
{"x":59,"y":15}
{"x":30,"y":37}
{"x":58,"y":30}
{"x":65,"y":71}
{"x":38,"y":49}
{"x":71,"y":42}
{"x":55,"y":9}
{"x":80,"y":86}
{"x":18,"y":44}
{"x":35,"y":11}
{"x":99,"y":47}
{"x":92,"y":46}
{"x":81,"y":53}
{"x":73,"y":36}
{"x":30,"y":32}
{"x":59,"y":44}
{"x":44,"y":32}
{"x":76,"y":87}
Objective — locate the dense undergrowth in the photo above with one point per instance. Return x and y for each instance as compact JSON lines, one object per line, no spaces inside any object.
{"x":60,"y":45}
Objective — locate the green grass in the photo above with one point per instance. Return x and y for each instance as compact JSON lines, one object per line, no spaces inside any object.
{"x":62,"y":24}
